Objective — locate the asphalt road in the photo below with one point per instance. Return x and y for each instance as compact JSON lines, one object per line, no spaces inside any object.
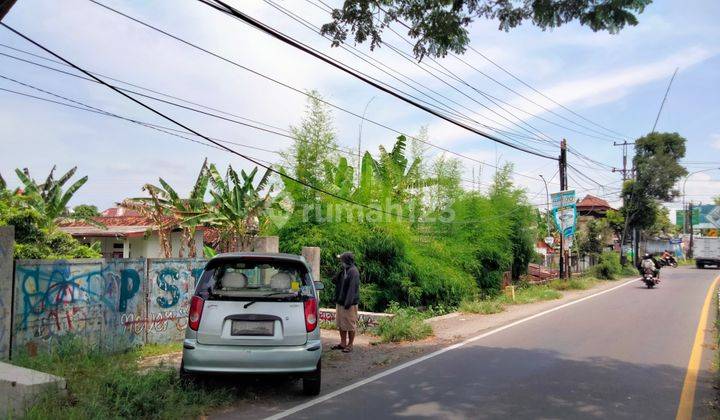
{"x":622,"y":354}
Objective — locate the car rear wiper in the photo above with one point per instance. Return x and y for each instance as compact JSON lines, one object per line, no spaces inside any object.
{"x":264,"y":296}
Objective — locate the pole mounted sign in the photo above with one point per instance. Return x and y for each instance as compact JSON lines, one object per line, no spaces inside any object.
{"x":714,"y":217}
{"x":564,"y":212}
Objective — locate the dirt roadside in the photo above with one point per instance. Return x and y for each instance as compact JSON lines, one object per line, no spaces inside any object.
{"x":258,"y":397}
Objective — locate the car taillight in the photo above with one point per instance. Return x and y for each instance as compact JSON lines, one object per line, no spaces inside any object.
{"x":196,"y":308}
{"x":311,"y":314}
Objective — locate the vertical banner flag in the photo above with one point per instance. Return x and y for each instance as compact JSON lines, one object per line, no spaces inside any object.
{"x":564,"y":212}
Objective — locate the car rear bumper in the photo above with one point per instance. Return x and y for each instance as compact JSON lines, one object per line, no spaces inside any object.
{"x":250,"y":359}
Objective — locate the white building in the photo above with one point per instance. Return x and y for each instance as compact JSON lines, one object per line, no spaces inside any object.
{"x":128,"y":235}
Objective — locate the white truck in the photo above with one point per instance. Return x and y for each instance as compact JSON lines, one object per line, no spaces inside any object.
{"x":706,"y":252}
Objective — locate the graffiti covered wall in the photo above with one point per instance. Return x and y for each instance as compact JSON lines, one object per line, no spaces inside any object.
{"x":114,"y":303}
{"x":171,"y":283}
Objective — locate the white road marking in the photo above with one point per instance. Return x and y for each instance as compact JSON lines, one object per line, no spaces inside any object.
{"x":436,"y":353}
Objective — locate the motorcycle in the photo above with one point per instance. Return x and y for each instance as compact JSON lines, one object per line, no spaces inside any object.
{"x":668,"y":262}
{"x":649,"y":279}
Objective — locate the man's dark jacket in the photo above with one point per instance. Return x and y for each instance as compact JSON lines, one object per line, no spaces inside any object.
{"x":347,"y":282}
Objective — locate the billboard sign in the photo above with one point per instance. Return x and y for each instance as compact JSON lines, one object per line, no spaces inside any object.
{"x":564,"y":212}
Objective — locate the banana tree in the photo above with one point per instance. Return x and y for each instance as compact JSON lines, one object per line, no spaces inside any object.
{"x":49,"y":198}
{"x":339,"y":178}
{"x":395,"y":175}
{"x":236,"y":208}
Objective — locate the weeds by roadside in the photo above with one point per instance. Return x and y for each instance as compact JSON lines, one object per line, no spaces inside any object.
{"x":531,"y":294}
{"x":575,"y":283}
{"x":485,"y":307}
{"x":111,"y":386}
{"x":406,"y":325}
{"x":149,"y":350}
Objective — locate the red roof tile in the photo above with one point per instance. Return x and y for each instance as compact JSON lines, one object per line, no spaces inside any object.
{"x":590,"y":203}
{"x":119,"y":211}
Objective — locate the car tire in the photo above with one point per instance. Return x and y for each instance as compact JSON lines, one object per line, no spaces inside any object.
{"x":699,"y":265}
{"x":311,"y":381}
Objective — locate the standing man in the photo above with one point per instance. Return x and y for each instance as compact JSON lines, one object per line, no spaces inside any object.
{"x":347,"y":297}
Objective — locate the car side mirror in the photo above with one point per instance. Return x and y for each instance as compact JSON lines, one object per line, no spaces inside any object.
{"x":319,"y":285}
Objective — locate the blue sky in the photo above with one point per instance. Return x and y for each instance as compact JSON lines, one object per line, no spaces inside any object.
{"x":616,"y":81}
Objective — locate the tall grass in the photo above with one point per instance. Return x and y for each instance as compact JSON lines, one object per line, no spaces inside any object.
{"x":102,"y":386}
{"x":484,"y":306}
{"x":406,"y":325}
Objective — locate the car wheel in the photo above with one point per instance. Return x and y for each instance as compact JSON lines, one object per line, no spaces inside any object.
{"x":311,"y":381}
{"x":699,"y":265}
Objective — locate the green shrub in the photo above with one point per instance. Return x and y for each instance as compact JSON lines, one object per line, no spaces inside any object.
{"x":628,"y":270}
{"x":484,"y":306}
{"x":405,"y":325}
{"x":608,"y":266}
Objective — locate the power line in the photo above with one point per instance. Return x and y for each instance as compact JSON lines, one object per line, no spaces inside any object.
{"x":231,"y":11}
{"x":317,"y":30}
{"x":513,"y":90}
{"x":367,"y":58}
{"x":170,"y":119}
{"x":295,"y":89}
{"x":471,"y":48}
{"x":450,"y":73}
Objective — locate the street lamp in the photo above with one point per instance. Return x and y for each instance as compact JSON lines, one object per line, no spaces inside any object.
{"x":685,"y":219}
{"x":547,"y":215}
{"x":547,"y":205}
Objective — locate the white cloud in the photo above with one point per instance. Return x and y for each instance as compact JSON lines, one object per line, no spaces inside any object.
{"x":605,"y":88}
{"x":715,"y":140}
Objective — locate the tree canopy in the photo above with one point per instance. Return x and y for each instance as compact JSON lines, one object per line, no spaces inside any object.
{"x":440,"y":26}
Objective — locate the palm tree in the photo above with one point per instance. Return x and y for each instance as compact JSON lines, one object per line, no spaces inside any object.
{"x":236,"y":208}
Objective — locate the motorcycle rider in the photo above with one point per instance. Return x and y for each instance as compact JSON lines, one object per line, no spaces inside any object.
{"x":667,"y":256}
{"x":649,"y":264}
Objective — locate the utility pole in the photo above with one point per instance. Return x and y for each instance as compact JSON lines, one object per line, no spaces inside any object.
{"x":690,"y":245}
{"x":5,"y":6}
{"x":626,"y":174}
{"x":563,"y":186}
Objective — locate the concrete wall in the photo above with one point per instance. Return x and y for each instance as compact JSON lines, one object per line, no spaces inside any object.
{"x":113,"y":303}
{"x":7,"y":235}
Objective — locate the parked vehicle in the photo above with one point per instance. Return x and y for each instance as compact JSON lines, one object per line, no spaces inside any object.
{"x":706,"y":251}
{"x":650,"y":279}
{"x":255,"y":313}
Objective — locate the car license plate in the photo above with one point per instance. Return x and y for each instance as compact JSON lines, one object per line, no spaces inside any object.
{"x":252,"y":328}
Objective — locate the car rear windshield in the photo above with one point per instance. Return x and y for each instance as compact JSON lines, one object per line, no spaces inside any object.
{"x":254,"y":279}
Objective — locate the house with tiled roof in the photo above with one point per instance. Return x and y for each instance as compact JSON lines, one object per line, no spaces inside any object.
{"x":127,"y":234}
{"x":594,"y":208}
